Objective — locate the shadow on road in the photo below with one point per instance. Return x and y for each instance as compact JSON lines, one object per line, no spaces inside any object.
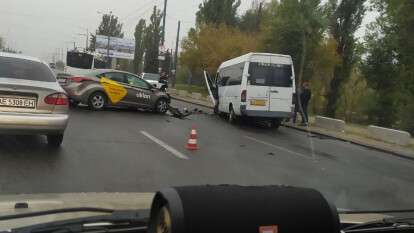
{"x":26,"y":145}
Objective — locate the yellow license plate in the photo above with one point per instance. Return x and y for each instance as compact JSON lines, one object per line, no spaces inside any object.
{"x":258,"y":102}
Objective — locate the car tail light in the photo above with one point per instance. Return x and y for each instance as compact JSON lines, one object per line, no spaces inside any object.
{"x":243,"y":96}
{"x":57,"y":99}
{"x":78,"y":79}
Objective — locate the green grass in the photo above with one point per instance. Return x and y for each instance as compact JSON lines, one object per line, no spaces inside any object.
{"x":192,"y":88}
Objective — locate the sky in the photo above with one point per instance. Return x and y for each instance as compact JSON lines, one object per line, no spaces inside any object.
{"x":41,"y":28}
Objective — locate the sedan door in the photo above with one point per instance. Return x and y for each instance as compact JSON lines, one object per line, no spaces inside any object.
{"x":113,"y":92}
{"x":139,"y":92}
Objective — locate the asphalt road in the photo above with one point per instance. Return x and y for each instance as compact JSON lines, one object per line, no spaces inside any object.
{"x":133,"y":151}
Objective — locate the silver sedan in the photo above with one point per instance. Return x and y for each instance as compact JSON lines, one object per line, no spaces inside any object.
{"x":31,"y":100}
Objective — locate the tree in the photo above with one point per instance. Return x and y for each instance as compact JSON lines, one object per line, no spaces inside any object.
{"x":202,"y":50}
{"x":139,"y":46}
{"x":217,"y":12}
{"x":294,"y":27}
{"x":389,"y":65}
{"x":345,"y":18}
{"x":152,"y":42}
{"x":1,"y":43}
{"x":109,"y":26}
{"x":251,"y":20}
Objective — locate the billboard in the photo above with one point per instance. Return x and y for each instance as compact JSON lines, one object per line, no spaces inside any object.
{"x":118,"y":47}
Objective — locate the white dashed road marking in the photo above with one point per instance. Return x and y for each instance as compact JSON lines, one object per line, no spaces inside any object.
{"x":277,"y":147}
{"x":169,"y":148}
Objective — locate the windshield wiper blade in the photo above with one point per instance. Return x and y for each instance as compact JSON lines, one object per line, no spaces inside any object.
{"x":122,"y":220}
{"x":375,"y":211}
{"x":55,"y":211}
{"x":385,"y":224}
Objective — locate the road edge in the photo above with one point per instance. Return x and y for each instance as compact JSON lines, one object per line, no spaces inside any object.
{"x":356,"y":142}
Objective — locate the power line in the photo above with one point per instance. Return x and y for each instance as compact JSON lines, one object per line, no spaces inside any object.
{"x":138,"y":9}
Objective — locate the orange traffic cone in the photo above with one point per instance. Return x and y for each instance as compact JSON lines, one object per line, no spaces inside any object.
{"x":192,"y":141}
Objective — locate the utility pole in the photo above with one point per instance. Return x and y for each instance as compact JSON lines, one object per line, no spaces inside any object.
{"x":87,"y":39}
{"x":176,"y":54}
{"x":163,"y":22}
{"x":107,"y":48}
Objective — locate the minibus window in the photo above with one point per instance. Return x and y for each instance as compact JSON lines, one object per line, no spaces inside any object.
{"x":267,"y":74}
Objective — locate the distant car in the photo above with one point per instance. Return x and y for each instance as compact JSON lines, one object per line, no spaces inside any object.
{"x":105,"y":87}
{"x":31,"y":100}
{"x":155,"y":80}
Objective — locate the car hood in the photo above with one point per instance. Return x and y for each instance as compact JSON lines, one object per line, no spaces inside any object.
{"x":117,"y":201}
{"x":41,"y":202}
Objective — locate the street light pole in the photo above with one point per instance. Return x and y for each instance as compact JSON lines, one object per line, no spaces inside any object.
{"x":176,"y":54}
{"x":107,"y":48}
{"x":163,"y":22}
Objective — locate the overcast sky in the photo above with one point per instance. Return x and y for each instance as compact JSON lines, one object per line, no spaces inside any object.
{"x":40,"y":27}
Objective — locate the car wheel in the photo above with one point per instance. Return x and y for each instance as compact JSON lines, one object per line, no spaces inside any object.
{"x":232,"y":116}
{"x":274,"y":124}
{"x":161,"y":106}
{"x":97,"y":101}
{"x":55,"y":140}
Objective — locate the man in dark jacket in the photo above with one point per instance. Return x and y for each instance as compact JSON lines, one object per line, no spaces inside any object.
{"x":305,"y":97}
{"x":301,"y":103}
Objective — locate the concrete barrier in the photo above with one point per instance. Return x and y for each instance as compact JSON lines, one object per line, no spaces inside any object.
{"x":196,"y":95}
{"x":172,"y":91}
{"x":183,"y":93}
{"x":389,"y":135}
{"x":330,"y":123}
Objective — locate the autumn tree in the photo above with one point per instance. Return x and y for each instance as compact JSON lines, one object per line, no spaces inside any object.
{"x":202,"y":50}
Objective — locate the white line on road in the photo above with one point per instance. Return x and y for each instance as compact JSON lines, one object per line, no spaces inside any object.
{"x":173,"y":151}
{"x":277,"y":147}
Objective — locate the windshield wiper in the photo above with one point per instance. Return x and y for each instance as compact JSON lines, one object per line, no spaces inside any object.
{"x":386,"y":224}
{"x":375,"y":211}
{"x":118,"y":221}
{"x":55,"y":211}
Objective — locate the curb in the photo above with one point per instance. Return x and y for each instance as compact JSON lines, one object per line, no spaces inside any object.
{"x":356,"y":142}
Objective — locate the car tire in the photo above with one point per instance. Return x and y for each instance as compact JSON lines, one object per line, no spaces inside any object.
{"x":97,"y":101}
{"x":55,"y":140}
{"x":232,"y":116}
{"x":275,"y":124}
{"x":161,"y":106}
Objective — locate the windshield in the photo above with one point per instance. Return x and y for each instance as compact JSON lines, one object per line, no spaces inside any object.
{"x":24,"y":69}
{"x":310,"y":93}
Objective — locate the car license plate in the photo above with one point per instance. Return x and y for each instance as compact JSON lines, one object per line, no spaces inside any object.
{"x":17,"y":102}
{"x":258,"y":102}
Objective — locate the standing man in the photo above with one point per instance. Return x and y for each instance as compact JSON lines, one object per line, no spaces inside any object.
{"x":305,"y":97}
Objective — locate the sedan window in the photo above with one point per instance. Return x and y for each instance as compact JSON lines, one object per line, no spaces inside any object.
{"x":137,"y":82}
{"x":25,"y":69}
{"x":115,"y":76}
